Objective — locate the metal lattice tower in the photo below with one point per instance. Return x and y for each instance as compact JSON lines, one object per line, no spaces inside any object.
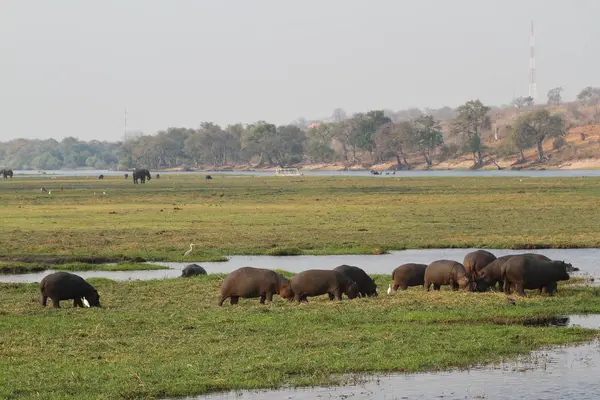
{"x":532,"y":84}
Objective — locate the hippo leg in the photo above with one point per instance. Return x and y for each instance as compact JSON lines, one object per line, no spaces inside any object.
{"x":304,"y":299}
{"x":234,"y":300}
{"x":223,"y":298}
{"x":506,"y":286}
{"x":263,"y":298}
{"x":520,"y":290}
{"x":44,"y":300}
{"x":297,"y":297}
{"x":454,"y":286}
{"x":402,"y":287}
{"x":436,"y":286}
{"x":500,"y":286}
{"x":426,"y":285}
{"x":55,"y":302}
{"x":270,"y":297}
{"x":331,"y":296}
{"x":395,"y":287}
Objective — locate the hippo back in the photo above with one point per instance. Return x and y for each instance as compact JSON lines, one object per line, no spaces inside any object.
{"x":249,"y":282}
{"x":410,"y":274}
{"x":477,"y":260}
{"x":192,"y":270}
{"x":365,"y":283}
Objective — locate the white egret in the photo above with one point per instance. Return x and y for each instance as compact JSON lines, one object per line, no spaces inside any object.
{"x":187,"y":253}
{"x":85,"y":302}
{"x":389,"y":291}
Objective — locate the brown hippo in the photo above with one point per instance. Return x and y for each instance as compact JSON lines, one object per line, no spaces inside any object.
{"x":492,"y":273}
{"x":65,"y":286}
{"x":366,"y":285}
{"x":315,"y":282}
{"x":525,"y":272}
{"x":447,"y":272}
{"x":477,"y":260}
{"x":249,"y":282}
{"x":408,"y":275}
{"x":192,"y":270}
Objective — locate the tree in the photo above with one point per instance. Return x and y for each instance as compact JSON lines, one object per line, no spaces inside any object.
{"x":521,"y":138}
{"x":520,"y":102}
{"x":339,"y":115}
{"x":538,"y":125}
{"x":471,"y":120}
{"x":590,"y":96}
{"x":318,"y":142}
{"x":554,"y":96}
{"x":394,"y":140}
{"x":428,"y":137}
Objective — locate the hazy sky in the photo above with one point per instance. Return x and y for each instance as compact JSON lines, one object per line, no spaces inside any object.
{"x":71,"y":67}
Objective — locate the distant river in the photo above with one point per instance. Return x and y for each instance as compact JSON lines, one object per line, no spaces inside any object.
{"x":412,"y":174}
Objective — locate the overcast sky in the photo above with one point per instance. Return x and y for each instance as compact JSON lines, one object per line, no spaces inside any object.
{"x":71,"y":67}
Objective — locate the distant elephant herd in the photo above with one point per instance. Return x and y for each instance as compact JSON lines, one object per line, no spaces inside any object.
{"x":479,"y":272}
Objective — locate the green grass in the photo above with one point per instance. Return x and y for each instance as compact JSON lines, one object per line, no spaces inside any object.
{"x":309,"y":215}
{"x":7,"y":267}
{"x":167,"y":338}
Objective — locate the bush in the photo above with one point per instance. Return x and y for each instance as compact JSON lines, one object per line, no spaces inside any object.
{"x":558,"y":143}
{"x":448,"y":151}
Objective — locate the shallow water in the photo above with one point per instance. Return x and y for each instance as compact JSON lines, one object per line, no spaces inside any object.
{"x":569,"y":372}
{"x":416,"y":174}
{"x":584,"y":259}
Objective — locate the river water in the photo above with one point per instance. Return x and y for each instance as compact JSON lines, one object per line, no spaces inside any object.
{"x":584,"y":259}
{"x":414,"y":174}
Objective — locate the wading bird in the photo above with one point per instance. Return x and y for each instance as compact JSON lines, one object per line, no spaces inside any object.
{"x":187,"y":253}
{"x":389,"y":289}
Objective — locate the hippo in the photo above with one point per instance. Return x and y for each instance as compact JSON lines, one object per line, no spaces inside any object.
{"x":207,"y":177}
{"x":157,"y":176}
{"x":100,"y":176}
{"x":65,"y":286}
{"x":315,"y":282}
{"x":408,"y":275}
{"x":126,"y":176}
{"x":492,"y":273}
{"x":525,"y":272}
{"x":192,"y":270}
{"x":447,"y":272}
{"x":477,"y":260}
{"x":366,"y":285}
{"x":249,"y":282}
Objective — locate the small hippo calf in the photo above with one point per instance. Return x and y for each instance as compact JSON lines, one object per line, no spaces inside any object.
{"x":65,"y":286}
{"x":249,"y":282}
{"x":366,"y":285}
{"x":447,"y":272}
{"x":408,"y":275}
{"x":315,"y":282}
{"x":192,"y":270}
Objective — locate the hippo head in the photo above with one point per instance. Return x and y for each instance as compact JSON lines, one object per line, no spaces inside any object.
{"x":352,"y":290}
{"x":570,"y":267}
{"x":372,"y":290}
{"x":465,"y":283}
{"x":480,"y":284}
{"x":563,"y":268}
{"x":286,"y":292}
{"x":93,"y":298}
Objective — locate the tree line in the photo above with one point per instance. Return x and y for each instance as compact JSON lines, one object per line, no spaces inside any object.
{"x":404,"y":138}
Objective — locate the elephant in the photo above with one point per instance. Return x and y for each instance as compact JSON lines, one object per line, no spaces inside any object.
{"x":141,"y":175}
{"x":315,"y":282}
{"x":100,"y":176}
{"x":65,"y":286}
{"x":408,"y":275}
{"x":6,"y":173}
{"x":525,"y":272}
{"x":249,"y":282}
{"x":366,"y":285}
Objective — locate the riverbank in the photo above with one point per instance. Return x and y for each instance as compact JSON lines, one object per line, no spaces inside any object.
{"x":168,"y":338}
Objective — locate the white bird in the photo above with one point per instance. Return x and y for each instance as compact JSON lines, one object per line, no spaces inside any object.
{"x":187,"y":253}
{"x":49,"y":191}
{"x":104,"y":193}
{"x":85,"y":302}
{"x":389,"y":291}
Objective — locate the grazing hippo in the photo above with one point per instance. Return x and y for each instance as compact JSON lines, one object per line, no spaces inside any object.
{"x":249,"y":282}
{"x":126,"y":176}
{"x":207,"y":177}
{"x":100,"y":176}
{"x":192,"y":270}
{"x":157,"y":176}
{"x":315,"y":282}
{"x":447,"y":272}
{"x":65,"y":286}
{"x":408,"y":275}
{"x":525,"y":272}
{"x":477,"y":260}
{"x":492,"y":273}
{"x":366,"y":285}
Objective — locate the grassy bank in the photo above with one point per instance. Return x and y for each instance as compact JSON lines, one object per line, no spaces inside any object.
{"x":310,"y":215}
{"x":168,"y":338}
{"x":7,"y":267}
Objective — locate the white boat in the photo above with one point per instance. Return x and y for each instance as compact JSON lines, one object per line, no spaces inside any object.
{"x":287,"y":172}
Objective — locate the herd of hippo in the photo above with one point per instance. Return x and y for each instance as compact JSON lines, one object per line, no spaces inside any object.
{"x":479,"y":272}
